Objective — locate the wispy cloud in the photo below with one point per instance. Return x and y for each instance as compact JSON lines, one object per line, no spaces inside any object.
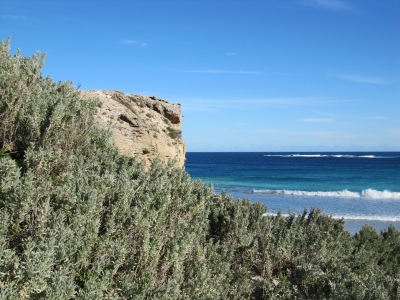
{"x":207,"y":104}
{"x":319,"y":134}
{"x":395,"y":131}
{"x":318,"y":120}
{"x":231,"y":54}
{"x":361,"y":79}
{"x":279,"y":131}
{"x":132,"y":42}
{"x":328,"y":134}
{"x":13,"y":17}
{"x":323,"y":113}
{"x":376,"y":118}
{"x":222,"y":72}
{"x":333,"y":5}
{"x":293,"y":101}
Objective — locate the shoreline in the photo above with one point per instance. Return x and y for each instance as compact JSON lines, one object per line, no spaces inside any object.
{"x":354,"y":226}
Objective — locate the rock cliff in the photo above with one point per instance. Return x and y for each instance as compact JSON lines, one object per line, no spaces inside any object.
{"x":148,"y":127}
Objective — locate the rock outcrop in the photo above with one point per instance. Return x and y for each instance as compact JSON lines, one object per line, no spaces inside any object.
{"x":148,"y":127}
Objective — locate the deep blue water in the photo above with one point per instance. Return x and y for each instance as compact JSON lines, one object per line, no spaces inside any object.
{"x":360,"y":187}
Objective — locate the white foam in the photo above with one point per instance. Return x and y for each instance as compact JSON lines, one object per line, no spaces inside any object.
{"x":374,"y":194}
{"x":298,"y":155}
{"x":328,"y":155}
{"x":369,"y":218}
{"x":344,"y":193}
{"x":355,"y":217}
{"x":307,"y":155}
{"x":273,"y":215}
{"x":368,"y":193}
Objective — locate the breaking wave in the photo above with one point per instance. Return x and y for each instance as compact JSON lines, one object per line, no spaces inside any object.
{"x":368,"y":193}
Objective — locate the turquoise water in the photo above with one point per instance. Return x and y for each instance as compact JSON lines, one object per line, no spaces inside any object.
{"x":360,"y":187}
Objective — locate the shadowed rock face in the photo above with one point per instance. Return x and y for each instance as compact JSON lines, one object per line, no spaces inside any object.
{"x":148,"y":127}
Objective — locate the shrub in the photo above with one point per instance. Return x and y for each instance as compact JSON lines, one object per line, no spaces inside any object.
{"x":80,"y":221}
{"x":173,"y":133}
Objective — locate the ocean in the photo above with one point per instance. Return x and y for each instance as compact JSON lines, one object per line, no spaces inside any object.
{"x":363,"y":188}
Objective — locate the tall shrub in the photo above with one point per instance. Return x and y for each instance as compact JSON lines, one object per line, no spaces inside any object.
{"x":80,"y":221}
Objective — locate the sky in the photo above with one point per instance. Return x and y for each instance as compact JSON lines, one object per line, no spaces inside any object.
{"x":251,"y":75}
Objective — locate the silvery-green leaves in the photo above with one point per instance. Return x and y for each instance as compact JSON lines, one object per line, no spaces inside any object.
{"x":80,"y":221}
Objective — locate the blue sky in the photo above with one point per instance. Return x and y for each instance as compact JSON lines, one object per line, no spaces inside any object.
{"x":287,"y":75}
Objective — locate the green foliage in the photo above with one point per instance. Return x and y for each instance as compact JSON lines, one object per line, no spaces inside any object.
{"x":173,"y":133}
{"x":3,"y":153}
{"x":80,"y":221}
{"x":383,"y":249}
{"x":312,"y":257}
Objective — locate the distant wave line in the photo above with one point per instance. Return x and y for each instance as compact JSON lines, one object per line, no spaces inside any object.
{"x":368,"y":193}
{"x":328,"y":155}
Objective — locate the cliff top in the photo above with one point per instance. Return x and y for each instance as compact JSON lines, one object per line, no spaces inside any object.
{"x":146,"y":126}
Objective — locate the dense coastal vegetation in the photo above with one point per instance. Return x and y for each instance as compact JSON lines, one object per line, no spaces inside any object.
{"x":80,"y":221}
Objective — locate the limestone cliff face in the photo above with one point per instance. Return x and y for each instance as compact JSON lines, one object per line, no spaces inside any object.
{"x":144,"y":126}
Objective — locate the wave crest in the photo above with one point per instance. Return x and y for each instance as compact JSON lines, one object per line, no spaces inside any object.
{"x":368,"y":193}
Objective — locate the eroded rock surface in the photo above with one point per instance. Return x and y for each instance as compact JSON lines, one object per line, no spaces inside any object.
{"x":148,"y":127}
